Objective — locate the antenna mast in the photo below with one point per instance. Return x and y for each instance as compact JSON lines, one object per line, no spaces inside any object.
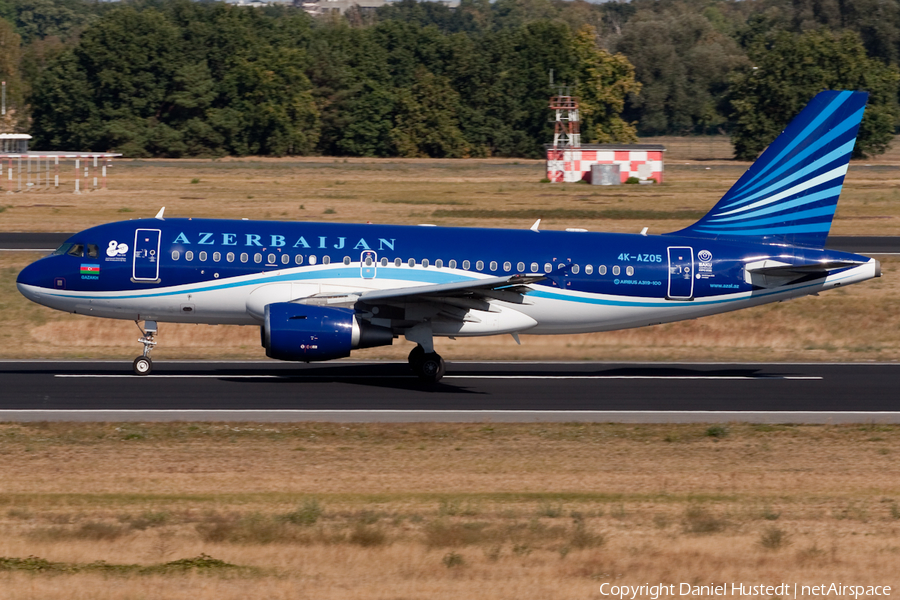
{"x":566,"y":136}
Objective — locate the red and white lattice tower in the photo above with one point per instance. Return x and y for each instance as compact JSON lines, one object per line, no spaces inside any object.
{"x":566,"y":137}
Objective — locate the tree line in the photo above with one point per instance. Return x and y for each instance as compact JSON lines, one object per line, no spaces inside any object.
{"x":178,"y":78}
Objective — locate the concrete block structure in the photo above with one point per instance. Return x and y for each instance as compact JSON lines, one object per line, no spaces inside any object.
{"x":644,"y":161}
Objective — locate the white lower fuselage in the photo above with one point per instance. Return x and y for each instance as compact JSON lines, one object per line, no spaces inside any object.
{"x":545,"y":310}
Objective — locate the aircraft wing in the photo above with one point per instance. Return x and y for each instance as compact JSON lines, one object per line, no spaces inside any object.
{"x":509,"y":288}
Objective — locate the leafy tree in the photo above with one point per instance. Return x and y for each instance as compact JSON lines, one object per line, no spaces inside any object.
{"x":682,"y":63}
{"x":38,"y":19}
{"x":789,"y":69}
{"x":10,"y":59}
{"x":192,"y":80}
{"x":426,"y":121}
{"x":604,"y":81}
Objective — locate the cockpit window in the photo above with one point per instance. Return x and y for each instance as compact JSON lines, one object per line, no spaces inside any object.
{"x":76,"y":250}
{"x":93,"y":251}
{"x":62,"y":249}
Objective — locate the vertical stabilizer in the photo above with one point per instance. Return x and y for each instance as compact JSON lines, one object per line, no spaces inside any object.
{"x":790,"y":193}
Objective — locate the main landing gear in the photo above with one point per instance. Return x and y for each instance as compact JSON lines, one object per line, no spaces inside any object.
{"x":142,"y":364}
{"x":429,"y":366}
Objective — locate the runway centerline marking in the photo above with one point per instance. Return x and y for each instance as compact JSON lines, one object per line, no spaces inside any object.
{"x":649,"y":377}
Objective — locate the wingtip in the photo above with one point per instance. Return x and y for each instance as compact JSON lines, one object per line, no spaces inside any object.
{"x":536,"y":225}
{"x":160,"y":214}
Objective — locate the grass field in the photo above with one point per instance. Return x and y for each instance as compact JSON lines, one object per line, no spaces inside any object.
{"x":501,"y":193}
{"x":490,"y":192}
{"x":487,"y":511}
{"x":440,"y":511}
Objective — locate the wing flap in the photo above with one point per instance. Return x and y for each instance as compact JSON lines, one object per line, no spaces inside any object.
{"x":467,"y":293}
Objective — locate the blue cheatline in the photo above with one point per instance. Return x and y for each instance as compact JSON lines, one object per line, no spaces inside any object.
{"x":789,"y":195}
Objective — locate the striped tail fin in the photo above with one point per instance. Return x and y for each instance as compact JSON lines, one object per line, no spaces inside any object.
{"x":790,"y":193}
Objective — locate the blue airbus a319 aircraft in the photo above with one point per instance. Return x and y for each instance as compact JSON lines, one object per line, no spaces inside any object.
{"x":317,"y":291}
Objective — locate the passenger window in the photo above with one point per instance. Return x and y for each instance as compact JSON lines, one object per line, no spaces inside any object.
{"x":368,"y":261}
{"x":411,"y":262}
{"x":285,"y":259}
{"x":520,"y":267}
{"x":92,"y":251}
{"x":629,"y":271}
{"x":439,"y":263}
{"x":397,"y":262}
{"x":230,"y":257}
{"x":203,"y":256}
{"x":312,"y":259}
{"x":76,"y":250}
{"x":384,"y":262}
{"x":188,"y":255}
{"x":176,"y":254}
{"x":257,"y":258}
{"x":534,"y":267}
{"x":452,"y":263}
{"x":507,"y":266}
{"x":575,"y":269}
{"x":466,"y":265}
{"x":298,"y":259}
{"x":217,"y":256}
{"x":425,"y":263}
{"x":493,"y":265}
{"x":326,"y":260}
{"x":547,"y":267}
{"x":601,"y":269}
{"x":244,"y":257}
{"x":616,"y":270}
{"x":272,"y":259}
{"x":346,"y":260}
{"x":588,"y":269}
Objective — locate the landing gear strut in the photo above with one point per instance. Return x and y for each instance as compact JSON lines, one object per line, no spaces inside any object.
{"x":142,"y":364}
{"x":429,"y":366}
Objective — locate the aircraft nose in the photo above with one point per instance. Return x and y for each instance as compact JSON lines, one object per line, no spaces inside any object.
{"x":33,"y":277}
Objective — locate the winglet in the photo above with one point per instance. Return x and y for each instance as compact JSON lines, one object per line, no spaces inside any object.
{"x":536,"y":225}
{"x":159,"y":215}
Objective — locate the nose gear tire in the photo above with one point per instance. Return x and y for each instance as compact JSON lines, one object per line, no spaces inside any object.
{"x":142,"y":365}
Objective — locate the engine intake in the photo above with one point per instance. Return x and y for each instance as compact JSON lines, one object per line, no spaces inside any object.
{"x":310,"y":333}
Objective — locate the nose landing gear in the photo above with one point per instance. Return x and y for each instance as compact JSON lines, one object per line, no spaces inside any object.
{"x":142,"y":364}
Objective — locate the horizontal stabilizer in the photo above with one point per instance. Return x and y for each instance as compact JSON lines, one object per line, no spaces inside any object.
{"x":774,"y":273}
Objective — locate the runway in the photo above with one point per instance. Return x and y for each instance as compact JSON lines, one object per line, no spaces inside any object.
{"x":346,"y":391}
{"x":50,"y":241}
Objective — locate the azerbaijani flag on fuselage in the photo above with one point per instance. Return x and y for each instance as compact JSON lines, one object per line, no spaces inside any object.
{"x":90,"y":269}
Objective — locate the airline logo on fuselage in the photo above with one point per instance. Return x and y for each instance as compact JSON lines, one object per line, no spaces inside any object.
{"x":258,"y":240}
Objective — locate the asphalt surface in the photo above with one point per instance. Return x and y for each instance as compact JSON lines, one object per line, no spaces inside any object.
{"x":858,"y":244}
{"x":379,"y":391}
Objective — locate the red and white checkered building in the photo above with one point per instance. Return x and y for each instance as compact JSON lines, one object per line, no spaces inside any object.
{"x":644,"y":161}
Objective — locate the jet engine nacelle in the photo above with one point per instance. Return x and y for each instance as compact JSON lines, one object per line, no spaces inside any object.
{"x":309,"y":333}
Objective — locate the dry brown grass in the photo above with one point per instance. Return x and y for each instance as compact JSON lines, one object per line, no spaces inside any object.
{"x":470,"y":192}
{"x":446,"y":511}
{"x":414,"y":191}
